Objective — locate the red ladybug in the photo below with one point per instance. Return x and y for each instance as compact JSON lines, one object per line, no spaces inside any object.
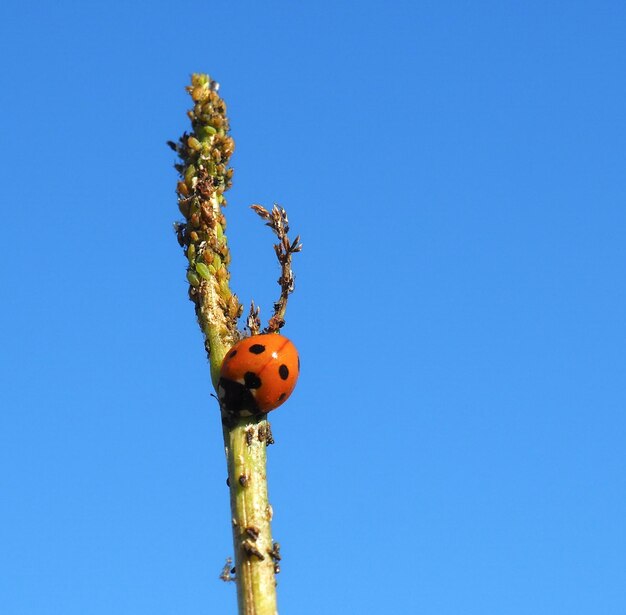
{"x":258,"y":374}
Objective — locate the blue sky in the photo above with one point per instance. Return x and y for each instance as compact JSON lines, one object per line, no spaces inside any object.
{"x":456,"y":172}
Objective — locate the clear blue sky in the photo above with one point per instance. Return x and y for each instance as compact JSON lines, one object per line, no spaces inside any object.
{"x":457,"y":173}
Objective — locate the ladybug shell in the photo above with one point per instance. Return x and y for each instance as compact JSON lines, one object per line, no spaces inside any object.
{"x":258,"y":374}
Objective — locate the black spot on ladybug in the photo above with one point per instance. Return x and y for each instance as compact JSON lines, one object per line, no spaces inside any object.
{"x":232,"y":354}
{"x":257,"y":348}
{"x":283,"y":371}
{"x":236,"y":398}
{"x":282,"y":396}
{"x":251,"y":380}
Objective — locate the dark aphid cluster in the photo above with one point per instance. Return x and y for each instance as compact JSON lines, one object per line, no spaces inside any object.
{"x":204,"y":177}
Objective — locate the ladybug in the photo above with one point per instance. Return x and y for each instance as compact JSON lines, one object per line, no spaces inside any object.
{"x":258,"y":374}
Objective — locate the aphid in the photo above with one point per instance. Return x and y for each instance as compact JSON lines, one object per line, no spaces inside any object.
{"x":250,"y":549}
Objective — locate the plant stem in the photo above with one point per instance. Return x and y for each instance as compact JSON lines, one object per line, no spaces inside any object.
{"x":204,"y":177}
{"x":245,"y":445}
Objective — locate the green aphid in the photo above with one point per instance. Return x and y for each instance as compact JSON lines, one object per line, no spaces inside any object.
{"x":192,"y":278}
{"x":208,"y":130}
{"x":190,"y":174}
{"x":225,"y":290}
{"x":193,"y":143}
{"x":204,"y":271}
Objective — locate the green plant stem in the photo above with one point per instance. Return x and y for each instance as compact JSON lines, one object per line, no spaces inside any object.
{"x":204,"y":176}
{"x":251,"y":516}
